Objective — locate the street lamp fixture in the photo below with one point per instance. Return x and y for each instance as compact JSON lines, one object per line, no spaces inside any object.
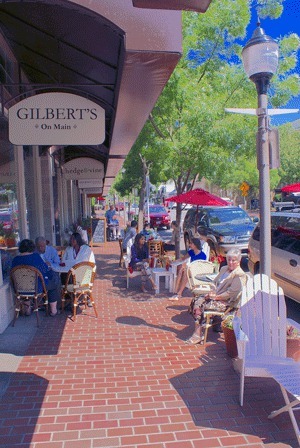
{"x":260,"y":60}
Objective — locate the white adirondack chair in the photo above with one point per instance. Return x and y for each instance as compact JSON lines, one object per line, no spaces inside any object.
{"x":260,"y":331}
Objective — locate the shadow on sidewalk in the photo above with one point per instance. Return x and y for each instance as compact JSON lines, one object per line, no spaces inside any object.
{"x":211,"y":395}
{"x":210,"y":392}
{"x":20,"y":408}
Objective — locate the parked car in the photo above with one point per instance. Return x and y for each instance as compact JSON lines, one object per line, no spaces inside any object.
{"x":226,"y":227}
{"x":292,"y":197}
{"x":159,"y":216}
{"x":285,"y":250}
{"x":120,"y":206}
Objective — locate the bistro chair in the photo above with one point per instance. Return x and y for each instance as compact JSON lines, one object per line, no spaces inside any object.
{"x":156,"y":250}
{"x":202,"y":268}
{"x":78,"y":286}
{"x":26,"y":282}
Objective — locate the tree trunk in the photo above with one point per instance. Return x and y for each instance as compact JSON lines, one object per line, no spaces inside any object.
{"x":142,"y":194}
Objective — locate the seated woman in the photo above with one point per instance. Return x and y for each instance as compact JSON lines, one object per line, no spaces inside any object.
{"x":194,"y":253}
{"x":140,"y":260}
{"x":28,"y":256}
{"x":225,"y":294}
{"x":77,"y":251}
{"x":170,"y":245}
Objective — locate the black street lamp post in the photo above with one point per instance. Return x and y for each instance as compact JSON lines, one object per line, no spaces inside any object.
{"x":260,"y":60}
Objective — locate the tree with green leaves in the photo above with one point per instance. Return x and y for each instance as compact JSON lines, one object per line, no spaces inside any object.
{"x":188,"y":134}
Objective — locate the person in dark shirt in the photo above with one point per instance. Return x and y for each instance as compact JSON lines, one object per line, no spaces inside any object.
{"x":140,"y":260}
{"x":28,"y":256}
{"x":194,"y":253}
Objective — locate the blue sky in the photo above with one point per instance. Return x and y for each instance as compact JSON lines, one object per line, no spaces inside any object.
{"x":289,"y":22}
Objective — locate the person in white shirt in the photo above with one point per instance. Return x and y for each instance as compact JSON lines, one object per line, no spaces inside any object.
{"x":77,"y":251}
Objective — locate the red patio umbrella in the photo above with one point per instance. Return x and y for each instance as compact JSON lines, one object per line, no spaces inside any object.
{"x":198,"y":197}
{"x":291,"y":188}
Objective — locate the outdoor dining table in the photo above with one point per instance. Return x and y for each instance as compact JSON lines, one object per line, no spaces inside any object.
{"x":61,"y":269}
{"x":162,"y":272}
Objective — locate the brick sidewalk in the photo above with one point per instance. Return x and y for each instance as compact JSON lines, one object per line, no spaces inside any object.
{"x":127,"y":379}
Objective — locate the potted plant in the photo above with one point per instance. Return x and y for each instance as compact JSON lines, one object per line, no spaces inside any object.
{"x":2,"y":235}
{"x":10,"y":238}
{"x":229,"y":336}
{"x":293,"y":343}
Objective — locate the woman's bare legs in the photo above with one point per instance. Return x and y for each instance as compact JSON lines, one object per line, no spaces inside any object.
{"x":180,"y":282}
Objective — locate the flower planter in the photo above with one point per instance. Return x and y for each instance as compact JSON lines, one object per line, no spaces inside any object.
{"x":293,"y":348}
{"x":10,"y":241}
{"x":230,"y":341}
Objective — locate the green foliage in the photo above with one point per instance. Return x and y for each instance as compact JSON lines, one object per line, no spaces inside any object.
{"x":269,"y":8}
{"x":189,"y":134}
{"x":289,"y":155}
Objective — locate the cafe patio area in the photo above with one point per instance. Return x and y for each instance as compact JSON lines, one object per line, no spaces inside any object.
{"x":127,"y":379}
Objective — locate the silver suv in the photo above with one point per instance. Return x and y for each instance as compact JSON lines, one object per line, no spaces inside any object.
{"x":285,"y":240}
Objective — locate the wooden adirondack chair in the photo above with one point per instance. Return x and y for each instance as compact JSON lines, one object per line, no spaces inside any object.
{"x":261,"y":341}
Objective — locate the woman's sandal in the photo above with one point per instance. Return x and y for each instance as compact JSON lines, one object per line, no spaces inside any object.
{"x":194,"y":339}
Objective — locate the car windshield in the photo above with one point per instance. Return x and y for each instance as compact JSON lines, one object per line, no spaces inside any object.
{"x":291,"y":223}
{"x":232,"y":216}
{"x":157,"y":209}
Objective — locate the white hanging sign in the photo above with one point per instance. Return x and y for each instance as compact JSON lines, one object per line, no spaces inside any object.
{"x":84,"y":168}
{"x":56,"y":118}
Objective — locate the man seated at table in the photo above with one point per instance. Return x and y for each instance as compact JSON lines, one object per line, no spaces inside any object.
{"x":48,"y":253}
{"x":112,"y":221}
{"x":50,"y":256}
{"x":148,"y":233}
{"x":130,"y":234}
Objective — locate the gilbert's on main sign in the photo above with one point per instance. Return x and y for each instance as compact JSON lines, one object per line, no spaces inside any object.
{"x":56,"y":118}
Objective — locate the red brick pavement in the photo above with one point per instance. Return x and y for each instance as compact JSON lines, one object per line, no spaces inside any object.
{"x":127,"y":379}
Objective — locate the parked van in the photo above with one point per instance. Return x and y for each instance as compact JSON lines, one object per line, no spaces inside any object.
{"x":285,"y":262}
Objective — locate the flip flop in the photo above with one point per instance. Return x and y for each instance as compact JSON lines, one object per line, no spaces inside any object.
{"x":174,"y":298}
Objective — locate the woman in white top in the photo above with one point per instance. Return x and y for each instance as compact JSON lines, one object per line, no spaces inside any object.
{"x":77,"y":251}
